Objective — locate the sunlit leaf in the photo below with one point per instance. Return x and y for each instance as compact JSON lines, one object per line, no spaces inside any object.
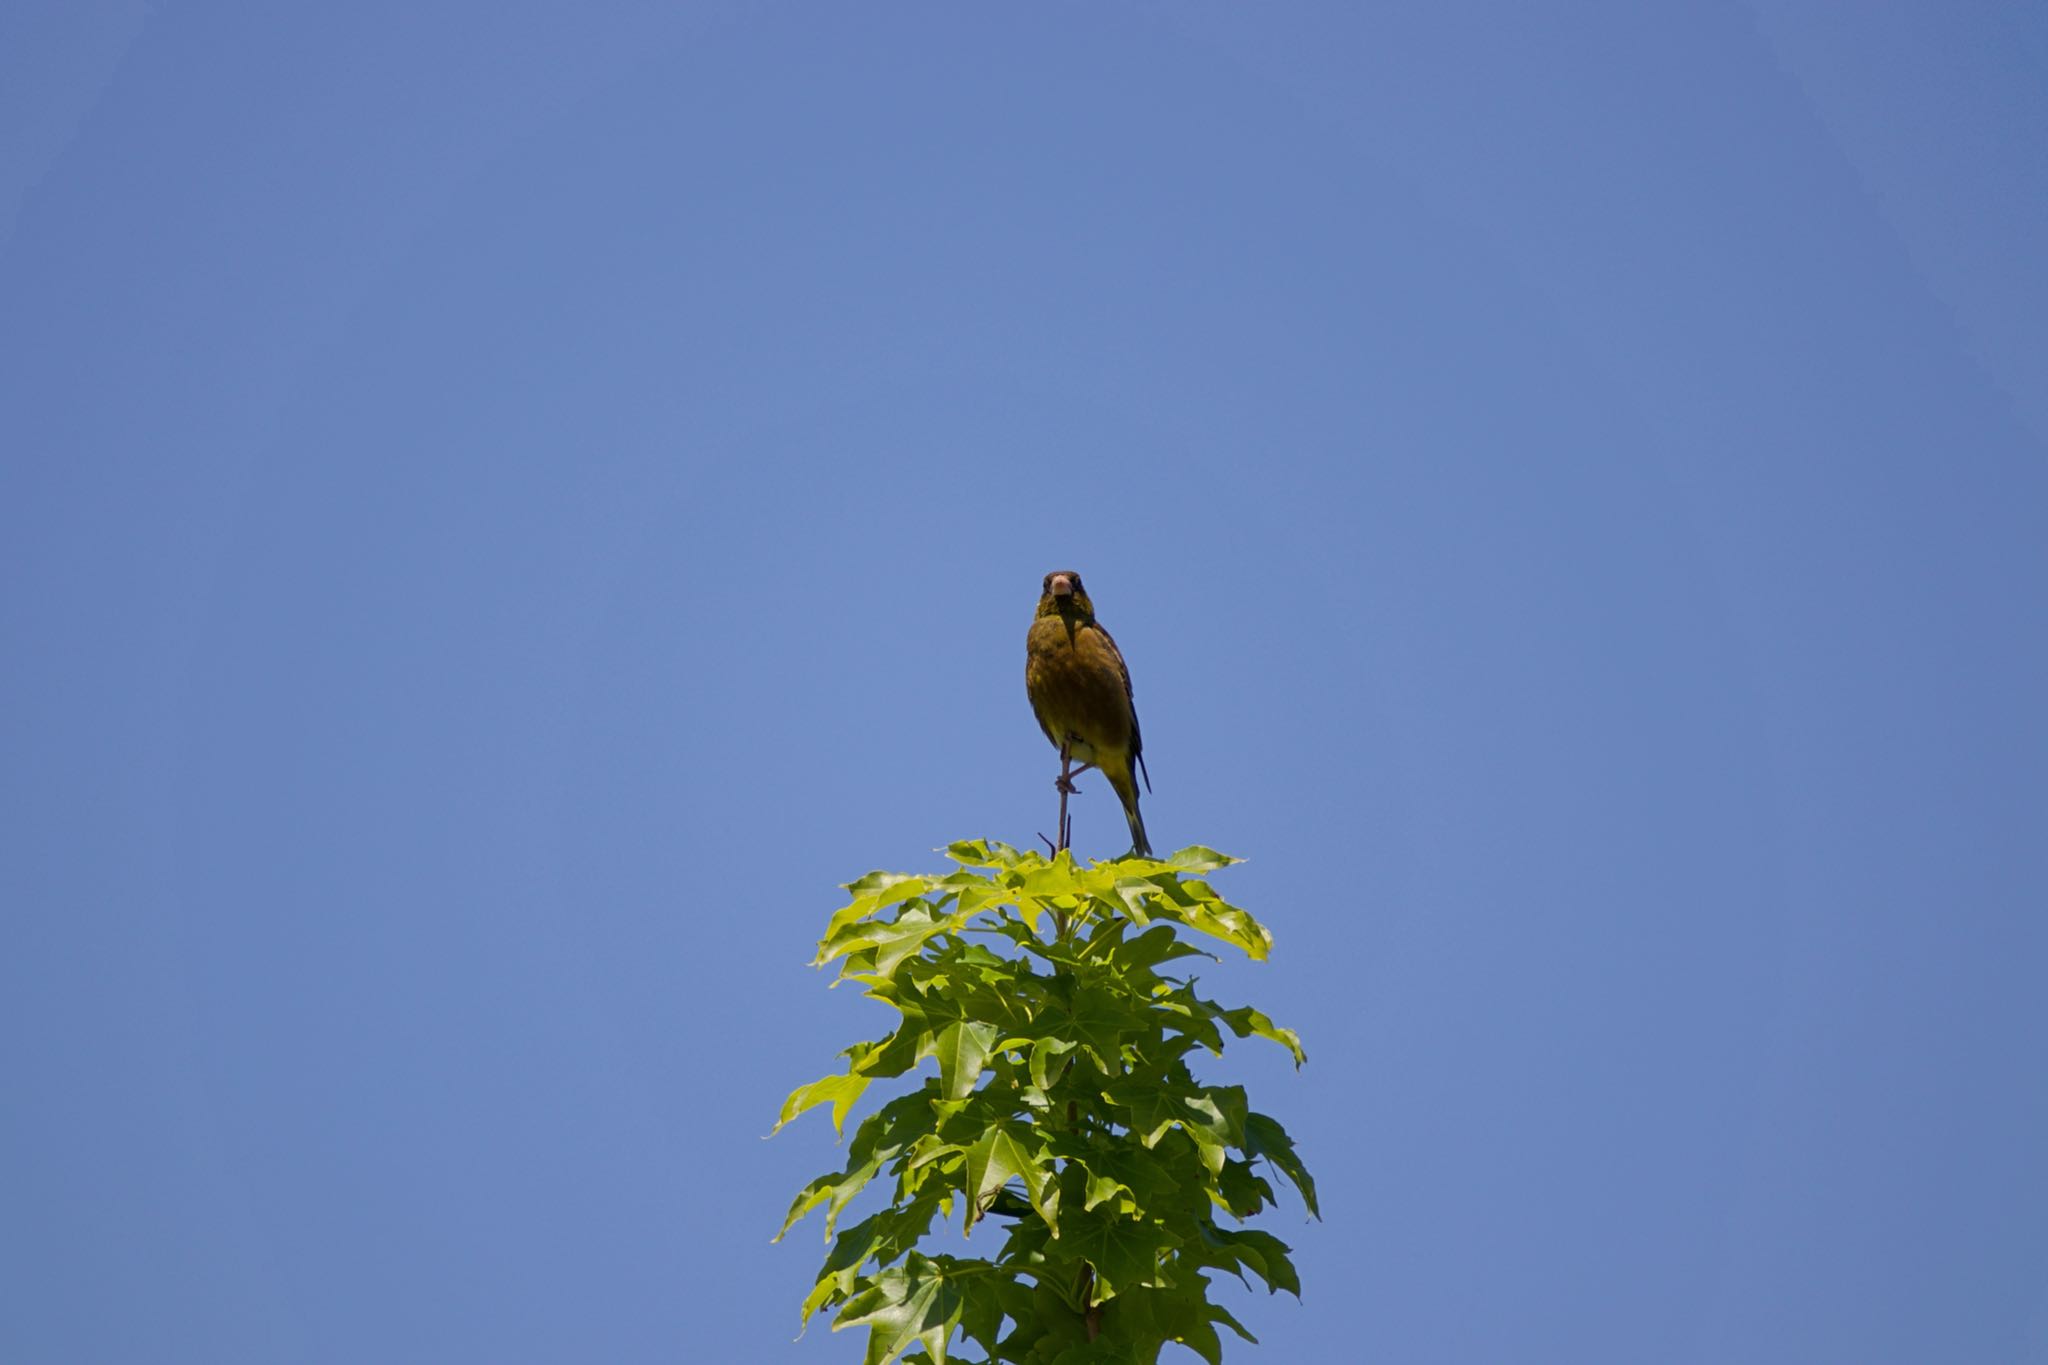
{"x":1002,"y":1154}
{"x":839,"y":1091}
{"x":963,"y":1050}
{"x":903,"y":1306}
{"x":1196,"y":858}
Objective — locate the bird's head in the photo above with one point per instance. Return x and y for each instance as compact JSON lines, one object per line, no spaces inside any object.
{"x":1063,"y":595}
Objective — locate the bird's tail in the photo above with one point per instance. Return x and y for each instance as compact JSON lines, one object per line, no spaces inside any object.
{"x":1127,"y":792}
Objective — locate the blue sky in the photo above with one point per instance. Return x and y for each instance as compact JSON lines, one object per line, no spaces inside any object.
{"x":502,"y":508}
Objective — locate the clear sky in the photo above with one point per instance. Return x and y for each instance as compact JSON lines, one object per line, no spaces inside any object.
{"x":503,"y":507}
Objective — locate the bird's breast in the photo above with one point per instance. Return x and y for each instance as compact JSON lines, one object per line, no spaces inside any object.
{"x":1077,"y":687}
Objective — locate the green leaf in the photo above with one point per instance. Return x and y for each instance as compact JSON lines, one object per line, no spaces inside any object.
{"x":1156,"y":945}
{"x":1056,"y":878}
{"x":1224,"y":1109}
{"x":874,"y":892}
{"x":1154,"y":1180}
{"x":890,"y":940}
{"x":1215,"y":1120}
{"x":915,"y":1303}
{"x":1260,"y":1252}
{"x":1044,"y":1053}
{"x":1197,"y":1020}
{"x":1265,"y":1137}
{"x":832,"y":1190}
{"x":1196,"y":858}
{"x":1124,"y":1251}
{"x":1230,"y":924}
{"x":812,"y":1195}
{"x":1102,"y":1189}
{"x":878,"y":881}
{"x":1003,"y":1154}
{"x":1247,"y":1021}
{"x":1195,"y":903}
{"x":1149,"y":1113}
{"x":1201,"y":1338}
{"x":1242,"y":1190}
{"x":901,"y":1050}
{"x":839,"y":1091}
{"x":882,"y":1238}
{"x":988,"y":853}
{"x":963,"y":1050}
{"x":893,"y":1129}
{"x":1218,"y":1313}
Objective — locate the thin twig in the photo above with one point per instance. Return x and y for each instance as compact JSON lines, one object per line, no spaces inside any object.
{"x":1066,"y":824}
{"x":1066,"y":785}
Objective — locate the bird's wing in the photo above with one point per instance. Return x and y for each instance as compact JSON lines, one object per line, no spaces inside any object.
{"x":1130,"y":699}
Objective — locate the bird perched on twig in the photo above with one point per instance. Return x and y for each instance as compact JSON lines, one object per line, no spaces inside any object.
{"x":1080,"y":690}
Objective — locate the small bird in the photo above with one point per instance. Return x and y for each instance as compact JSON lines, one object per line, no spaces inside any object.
{"x":1080,"y":690}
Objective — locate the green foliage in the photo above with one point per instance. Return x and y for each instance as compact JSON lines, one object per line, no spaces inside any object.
{"x":1062,"y":1105}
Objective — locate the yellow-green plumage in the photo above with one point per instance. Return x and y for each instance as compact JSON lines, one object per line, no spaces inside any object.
{"x":1080,"y":690}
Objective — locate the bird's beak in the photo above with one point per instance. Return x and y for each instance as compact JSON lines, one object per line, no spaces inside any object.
{"x":1062,"y":586}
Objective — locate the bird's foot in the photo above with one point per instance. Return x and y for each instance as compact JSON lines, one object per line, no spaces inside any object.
{"x":1064,"y":783}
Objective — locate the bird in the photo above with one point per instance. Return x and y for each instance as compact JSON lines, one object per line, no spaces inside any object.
{"x":1080,"y":690}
